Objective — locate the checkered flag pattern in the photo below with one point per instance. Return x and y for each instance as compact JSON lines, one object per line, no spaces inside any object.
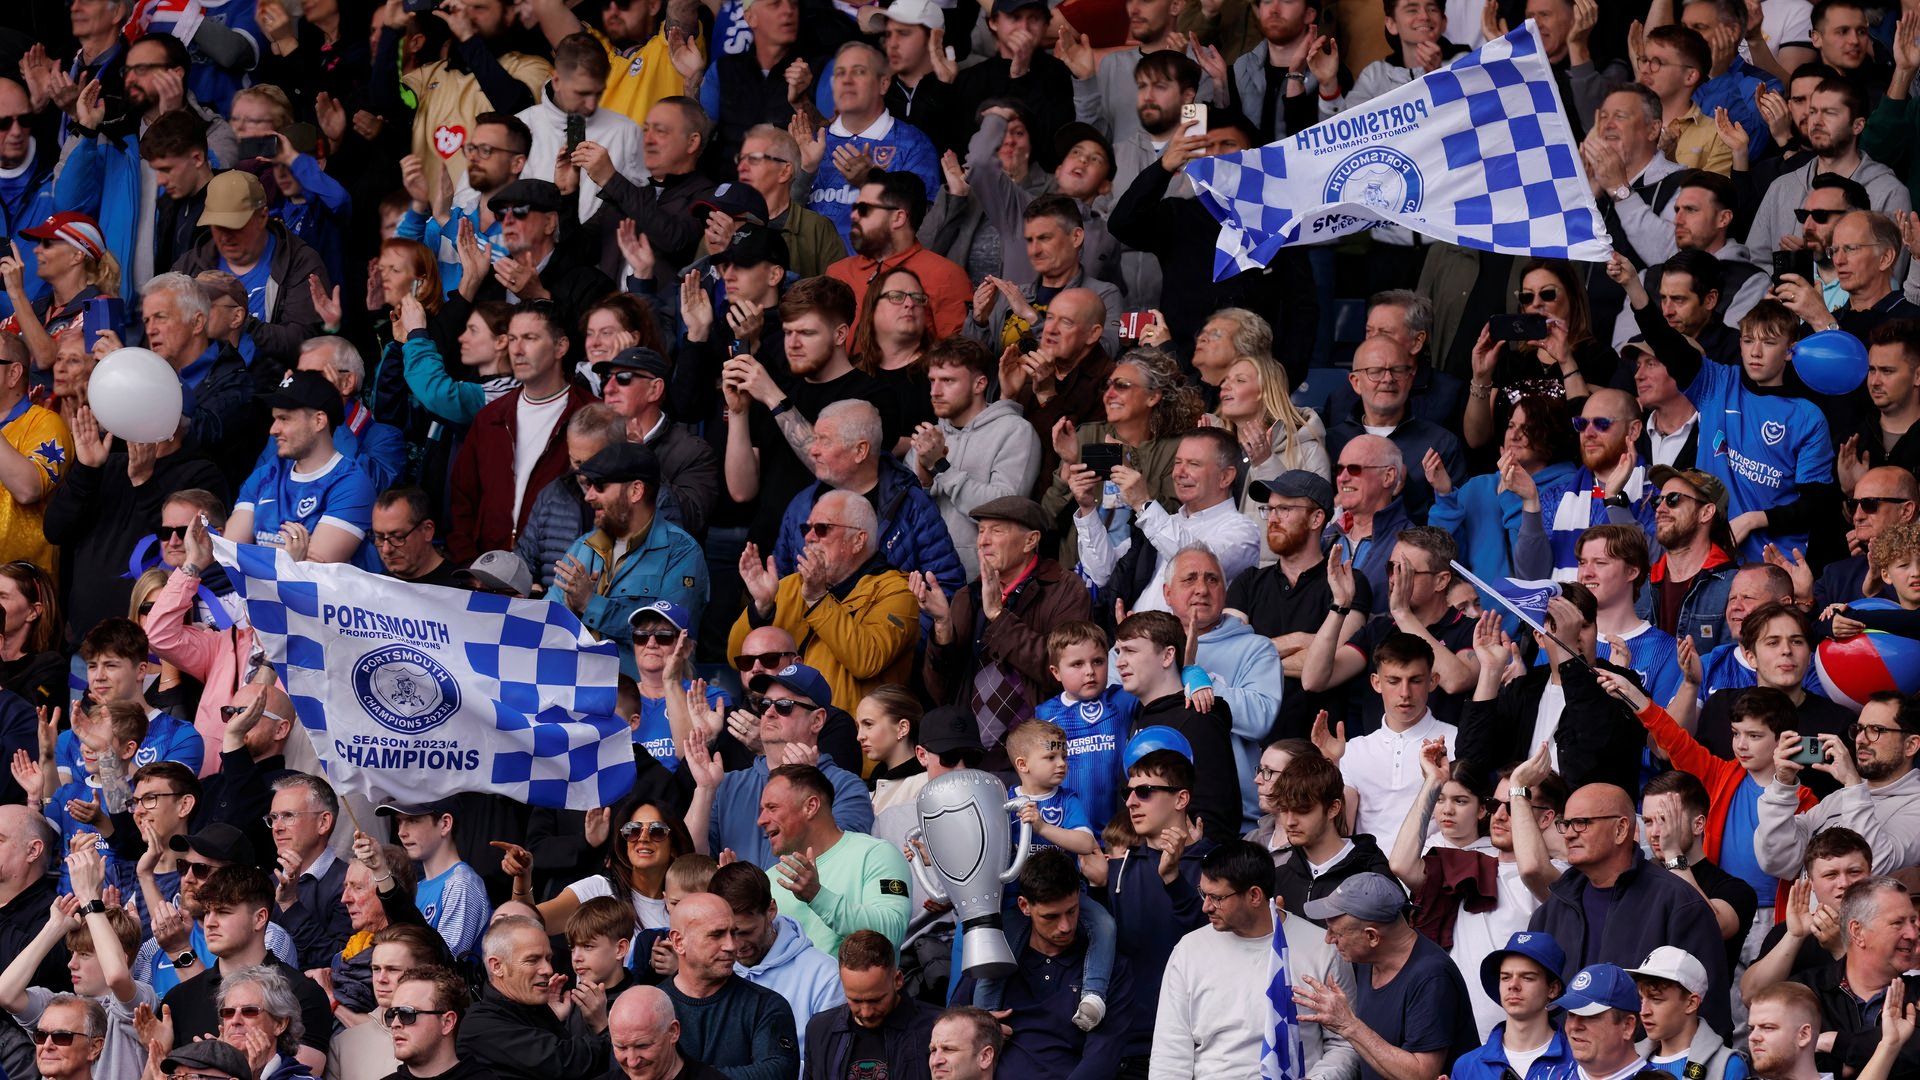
{"x":1478,"y":154}
{"x":417,"y":692}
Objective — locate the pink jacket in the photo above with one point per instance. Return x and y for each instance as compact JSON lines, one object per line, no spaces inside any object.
{"x":218,"y":658}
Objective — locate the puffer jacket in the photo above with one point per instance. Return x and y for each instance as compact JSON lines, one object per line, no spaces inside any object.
{"x":912,"y":534}
{"x":291,"y":318}
{"x":998,"y":454}
{"x":859,"y":636}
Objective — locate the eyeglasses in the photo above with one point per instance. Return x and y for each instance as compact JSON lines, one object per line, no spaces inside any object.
{"x":285,"y":817}
{"x":774,"y":660}
{"x":395,"y":539}
{"x":480,"y":151}
{"x":1263,"y":774}
{"x":1287,"y":508}
{"x":171,"y":532}
{"x":868,"y":208}
{"x":784,"y":706}
{"x":1656,"y":63}
{"x":196,"y":870}
{"x":822,"y":528}
{"x":1671,"y":499}
{"x":1143,"y":792}
{"x":248,"y":1012}
{"x":1208,"y":899}
{"x":1576,"y":825}
{"x":146,"y":608}
{"x":1355,"y":470}
{"x":1546,"y":295}
{"x":657,"y":637}
{"x":520,"y":213}
{"x":1823,"y":217}
{"x":652,"y":831}
{"x":1601,"y":424}
{"x":405,"y":1015}
{"x":758,"y":159}
{"x":904,"y":298}
{"x":57,"y":1038}
{"x":1385,"y":374}
{"x":627,"y":378}
{"x":151,"y":800}
{"x":1873,"y":504}
{"x":1851,"y":250}
{"x":1871,"y":732}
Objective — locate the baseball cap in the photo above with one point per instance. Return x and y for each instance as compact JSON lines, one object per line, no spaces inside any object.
{"x":1674,"y":965}
{"x":1295,"y":484}
{"x":1018,"y":509}
{"x":752,"y":246}
{"x":498,"y":571}
{"x":1536,"y":945}
{"x":1008,"y":7}
{"x":734,"y":199}
{"x":664,"y":609}
{"x":639,"y":358}
{"x":307,"y":390}
{"x":622,"y":463}
{"x":949,"y":728}
{"x":426,"y":809}
{"x":1597,"y":988}
{"x":799,"y":678}
{"x":911,"y":12}
{"x":1368,"y":897}
{"x":233,"y":197}
{"x":1076,"y":132}
{"x":73,"y":227}
{"x":209,"y":1054}
{"x":1708,"y":485}
{"x":217,"y":841}
{"x":535,"y":194}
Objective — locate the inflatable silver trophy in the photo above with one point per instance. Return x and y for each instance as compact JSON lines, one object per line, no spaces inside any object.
{"x":964,"y":825}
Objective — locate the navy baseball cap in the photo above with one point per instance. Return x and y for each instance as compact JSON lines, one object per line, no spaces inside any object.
{"x":734,"y":199}
{"x":638,"y":358}
{"x":1599,"y":987}
{"x":799,"y":678}
{"x":1536,"y":945}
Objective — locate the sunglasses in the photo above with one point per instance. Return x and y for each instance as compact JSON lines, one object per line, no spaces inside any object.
{"x":651,"y":831}
{"x":1671,"y":499}
{"x":1601,"y":424}
{"x":1872,"y":505}
{"x":658,"y":637}
{"x":8,"y":123}
{"x":405,"y":1015}
{"x":171,"y":532}
{"x":520,"y":213}
{"x":57,"y":1038}
{"x":784,"y":706}
{"x":1143,"y":792}
{"x":774,"y":660}
{"x":1547,"y":295}
{"x":863,"y":208}
{"x":1356,"y":470}
{"x":628,"y":378}
{"x":228,"y":712}
{"x":196,"y":870}
{"x":820,"y":529}
{"x":1823,"y":217}
{"x":250,"y":1012}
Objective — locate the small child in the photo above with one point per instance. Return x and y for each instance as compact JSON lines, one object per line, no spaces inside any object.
{"x":118,"y":663}
{"x":887,"y":726}
{"x":650,"y":958}
{"x":599,"y":934}
{"x":1094,"y":715}
{"x":110,"y":736}
{"x":451,"y":894}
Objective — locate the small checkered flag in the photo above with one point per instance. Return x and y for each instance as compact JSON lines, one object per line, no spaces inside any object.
{"x":1477,"y":154}
{"x":420,"y":692}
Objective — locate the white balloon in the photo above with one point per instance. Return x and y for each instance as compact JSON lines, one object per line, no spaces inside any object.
{"x":135,"y":394}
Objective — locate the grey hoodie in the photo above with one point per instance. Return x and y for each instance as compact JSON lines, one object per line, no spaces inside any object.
{"x":1888,"y":817}
{"x":1774,"y":219}
{"x":808,"y":978}
{"x":996,"y":455}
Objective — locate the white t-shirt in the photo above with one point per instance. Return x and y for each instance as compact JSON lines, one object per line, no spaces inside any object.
{"x":1546,"y":721}
{"x":1476,"y":934}
{"x":1522,"y":1060}
{"x":651,"y":913}
{"x":534,"y":423}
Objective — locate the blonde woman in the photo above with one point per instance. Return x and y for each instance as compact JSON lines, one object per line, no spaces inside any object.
{"x":71,"y":256}
{"x":1257,"y":406}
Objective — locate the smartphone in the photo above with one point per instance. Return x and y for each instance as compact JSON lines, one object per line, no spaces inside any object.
{"x":420,"y":7}
{"x":1794,"y":262}
{"x":102,"y":313}
{"x":1811,"y":752}
{"x":1132,"y":322}
{"x":576,"y":131}
{"x":259,"y":147}
{"x":1517,"y":327}
{"x":1193,"y":119}
{"x":1101,"y":458}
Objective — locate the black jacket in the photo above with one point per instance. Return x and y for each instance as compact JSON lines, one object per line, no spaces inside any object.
{"x":1597,"y":739}
{"x":658,"y":208}
{"x":1856,"y":1032}
{"x":1216,"y":794}
{"x":1295,"y":884}
{"x":527,"y":1042}
{"x":240,"y":794}
{"x":291,"y":316}
{"x":905,"y":1031}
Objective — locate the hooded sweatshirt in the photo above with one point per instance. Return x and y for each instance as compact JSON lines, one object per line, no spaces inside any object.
{"x":1246,"y":674}
{"x":808,"y":978}
{"x":1888,"y":817}
{"x":998,"y":454}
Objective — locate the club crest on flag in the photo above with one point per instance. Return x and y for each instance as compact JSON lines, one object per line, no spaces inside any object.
{"x":404,"y":689}
{"x":1380,"y":178}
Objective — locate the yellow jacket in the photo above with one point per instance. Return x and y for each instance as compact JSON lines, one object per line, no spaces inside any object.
{"x":859,"y":636}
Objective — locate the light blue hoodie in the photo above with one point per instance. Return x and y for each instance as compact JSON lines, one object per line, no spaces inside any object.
{"x":808,"y":978}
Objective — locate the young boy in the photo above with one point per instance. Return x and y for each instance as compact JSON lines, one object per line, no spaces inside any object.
{"x":1385,"y":764}
{"x":1672,"y":982}
{"x":117,"y":657}
{"x":1039,"y":754}
{"x":110,"y":736}
{"x":100,"y":939}
{"x":1152,"y":881}
{"x":651,"y":957}
{"x":1309,"y":799}
{"x":1095,"y":715}
{"x":1147,"y":651}
{"x":600,"y":934}
{"x":1524,"y":978}
{"x":1812,"y":935}
{"x":451,"y":894}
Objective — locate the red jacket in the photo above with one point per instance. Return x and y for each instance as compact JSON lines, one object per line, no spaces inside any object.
{"x":481,"y":500}
{"x":1720,"y":776}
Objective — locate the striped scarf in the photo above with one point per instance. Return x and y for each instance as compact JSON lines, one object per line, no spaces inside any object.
{"x":1281,"y":1055}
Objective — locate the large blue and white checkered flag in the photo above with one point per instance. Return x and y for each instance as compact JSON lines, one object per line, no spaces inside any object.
{"x":420,"y":692}
{"x":1477,"y":154}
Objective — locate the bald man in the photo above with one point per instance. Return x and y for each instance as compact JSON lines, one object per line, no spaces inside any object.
{"x":510,"y":1031}
{"x":253,"y":747}
{"x":1613,"y":906}
{"x":744,"y":1030}
{"x":1610,"y":487}
{"x":1882,"y":497}
{"x":1066,"y":376}
{"x":646,"y":1039}
{"x":1382,"y":378}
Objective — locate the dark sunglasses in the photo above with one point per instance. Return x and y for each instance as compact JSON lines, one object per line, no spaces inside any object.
{"x":172,"y":532}
{"x":8,"y":123}
{"x":1601,"y":424}
{"x":1671,"y":499}
{"x":822,"y":528}
{"x":628,"y":378}
{"x":1872,"y":505}
{"x":1823,"y":217}
{"x":1356,"y":470}
{"x":775,"y":660}
{"x":1143,"y":792}
{"x":58,"y":1038}
{"x":518,"y":212}
{"x":250,"y":1012}
{"x":868,"y":208}
{"x":405,"y":1015}
{"x":658,"y":637}
{"x":784,"y":706}
{"x":654,"y":831}
{"x":1547,"y":295}
{"x":196,"y":870}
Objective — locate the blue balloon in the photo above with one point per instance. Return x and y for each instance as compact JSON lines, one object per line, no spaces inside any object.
{"x":1157,"y":737}
{"x":1831,"y":361}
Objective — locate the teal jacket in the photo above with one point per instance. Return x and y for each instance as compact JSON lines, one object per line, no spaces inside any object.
{"x":664,"y":564}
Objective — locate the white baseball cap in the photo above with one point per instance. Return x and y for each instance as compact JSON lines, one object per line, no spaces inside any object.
{"x":913,"y":12}
{"x":1674,"y":965}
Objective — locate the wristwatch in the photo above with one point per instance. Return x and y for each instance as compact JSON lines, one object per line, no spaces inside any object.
{"x":186,"y":959}
{"x":1342,"y":610}
{"x":1678,"y":862}
{"x":942,"y":466}
{"x":1621,"y":193}
{"x":1520,"y":794}
{"x":95,"y":906}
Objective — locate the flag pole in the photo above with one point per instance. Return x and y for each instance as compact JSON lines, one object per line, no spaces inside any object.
{"x":1501,"y":599}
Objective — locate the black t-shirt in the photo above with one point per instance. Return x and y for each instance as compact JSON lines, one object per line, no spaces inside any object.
{"x":782,"y":473}
{"x":195,"y":1011}
{"x":1275,"y":606}
{"x":440,"y":575}
{"x":1735,"y":893}
{"x":867,"y":1058}
{"x":1811,"y":956}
